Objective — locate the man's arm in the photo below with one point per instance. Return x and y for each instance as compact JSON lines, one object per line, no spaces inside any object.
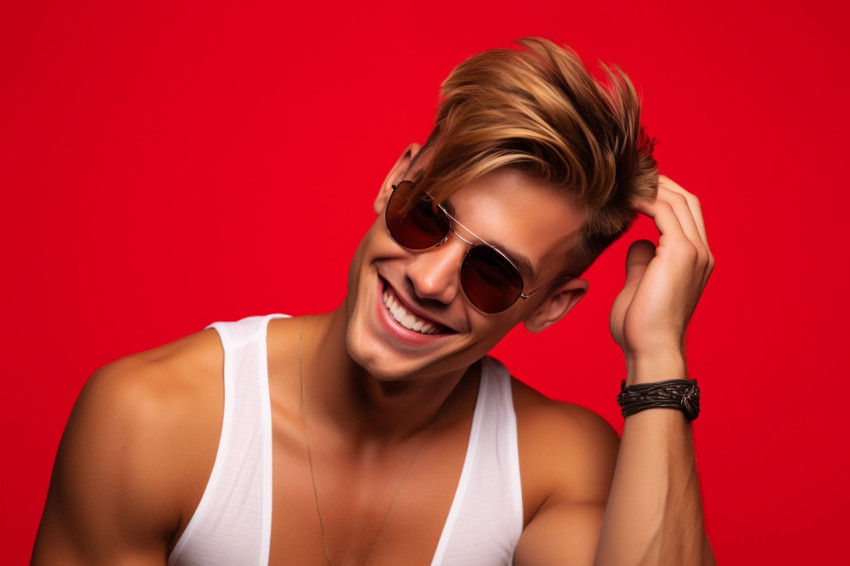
{"x":123,"y":473}
{"x":97,"y":511}
{"x":653,"y":513}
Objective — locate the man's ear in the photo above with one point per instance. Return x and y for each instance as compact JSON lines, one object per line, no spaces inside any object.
{"x":556,"y":305}
{"x":396,"y":175}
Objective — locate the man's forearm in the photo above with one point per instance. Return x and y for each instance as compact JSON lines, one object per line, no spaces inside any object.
{"x":654,"y":513}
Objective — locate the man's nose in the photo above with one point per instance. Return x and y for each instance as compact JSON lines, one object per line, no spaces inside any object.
{"x":435,"y":273}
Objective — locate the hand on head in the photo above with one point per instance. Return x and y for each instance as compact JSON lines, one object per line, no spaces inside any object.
{"x":664,"y":283}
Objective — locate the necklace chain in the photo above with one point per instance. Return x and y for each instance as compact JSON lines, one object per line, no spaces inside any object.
{"x":312,"y":468}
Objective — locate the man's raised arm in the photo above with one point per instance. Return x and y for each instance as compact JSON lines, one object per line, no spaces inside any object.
{"x":654,"y":512}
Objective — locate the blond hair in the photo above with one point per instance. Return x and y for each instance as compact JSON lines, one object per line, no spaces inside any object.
{"x":537,"y":108}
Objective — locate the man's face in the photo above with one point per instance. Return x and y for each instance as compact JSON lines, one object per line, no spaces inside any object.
{"x":521,"y":217}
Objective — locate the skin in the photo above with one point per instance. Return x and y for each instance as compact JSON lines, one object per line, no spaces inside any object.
{"x":378,"y":397}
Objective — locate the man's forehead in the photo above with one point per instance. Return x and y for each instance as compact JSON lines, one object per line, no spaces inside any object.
{"x":501,"y":241}
{"x":442,"y":185}
{"x":527,"y":219}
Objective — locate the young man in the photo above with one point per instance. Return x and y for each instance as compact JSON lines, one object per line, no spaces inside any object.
{"x":380,"y":433}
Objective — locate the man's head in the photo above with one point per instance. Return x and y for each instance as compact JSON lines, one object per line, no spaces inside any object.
{"x":530,"y":156}
{"x":537,"y":109}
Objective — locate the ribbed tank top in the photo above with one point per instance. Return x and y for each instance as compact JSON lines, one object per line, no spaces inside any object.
{"x":232,"y":523}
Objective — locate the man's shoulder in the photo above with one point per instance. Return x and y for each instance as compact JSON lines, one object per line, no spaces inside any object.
{"x":566,"y":451}
{"x":155,"y":395}
{"x":138,"y":447}
{"x":158,"y":378}
{"x":562,"y":420}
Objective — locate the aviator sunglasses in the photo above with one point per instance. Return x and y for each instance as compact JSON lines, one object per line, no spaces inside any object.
{"x":489,"y":279}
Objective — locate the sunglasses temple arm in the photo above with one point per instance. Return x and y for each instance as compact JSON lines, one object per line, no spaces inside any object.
{"x":563,"y":278}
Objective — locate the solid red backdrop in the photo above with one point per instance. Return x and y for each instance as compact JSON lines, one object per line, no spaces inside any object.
{"x":167,"y":164}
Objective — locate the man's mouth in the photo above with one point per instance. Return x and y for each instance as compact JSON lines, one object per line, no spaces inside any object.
{"x":406,"y":318}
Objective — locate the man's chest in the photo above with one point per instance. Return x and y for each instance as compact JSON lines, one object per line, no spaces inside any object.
{"x":379,"y":506}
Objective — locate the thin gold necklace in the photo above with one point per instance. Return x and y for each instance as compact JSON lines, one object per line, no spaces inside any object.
{"x":428,"y":433}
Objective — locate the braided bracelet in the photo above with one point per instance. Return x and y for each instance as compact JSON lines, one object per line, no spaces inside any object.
{"x":681,"y":394}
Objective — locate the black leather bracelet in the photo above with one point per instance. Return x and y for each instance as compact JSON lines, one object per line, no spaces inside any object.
{"x":681,"y":394}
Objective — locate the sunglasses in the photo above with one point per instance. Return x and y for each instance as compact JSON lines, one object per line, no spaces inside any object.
{"x":490,"y":280}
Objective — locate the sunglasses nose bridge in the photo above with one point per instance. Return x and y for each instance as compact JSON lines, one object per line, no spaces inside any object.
{"x":459,"y":237}
{"x":454,"y":224}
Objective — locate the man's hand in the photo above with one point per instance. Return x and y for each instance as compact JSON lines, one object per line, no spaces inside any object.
{"x":663,"y":285}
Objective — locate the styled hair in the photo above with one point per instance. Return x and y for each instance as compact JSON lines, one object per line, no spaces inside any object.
{"x":536,"y":108}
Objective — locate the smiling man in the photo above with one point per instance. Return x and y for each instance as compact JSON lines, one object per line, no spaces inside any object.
{"x":381,"y":433}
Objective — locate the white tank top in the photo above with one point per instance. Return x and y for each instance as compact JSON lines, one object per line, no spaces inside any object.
{"x":232,"y":524}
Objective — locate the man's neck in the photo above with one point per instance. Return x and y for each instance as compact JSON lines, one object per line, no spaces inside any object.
{"x":341,"y":394}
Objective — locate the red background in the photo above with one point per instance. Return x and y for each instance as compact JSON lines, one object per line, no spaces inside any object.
{"x":168,"y":164}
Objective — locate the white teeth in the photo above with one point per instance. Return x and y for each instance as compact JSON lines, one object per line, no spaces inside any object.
{"x":399,"y":314}
{"x":406,"y":319}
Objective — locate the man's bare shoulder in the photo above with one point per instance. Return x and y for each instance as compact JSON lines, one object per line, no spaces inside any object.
{"x":157,"y":388}
{"x":166,"y":403}
{"x":136,"y":454}
{"x":567,"y":452}
{"x":561,"y":421}
{"x":184,"y":359}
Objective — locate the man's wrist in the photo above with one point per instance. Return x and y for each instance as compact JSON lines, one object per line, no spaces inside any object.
{"x":660,"y":367}
{"x":679,"y":394}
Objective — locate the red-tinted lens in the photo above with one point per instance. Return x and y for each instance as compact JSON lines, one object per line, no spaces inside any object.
{"x":413,"y":221}
{"x":489,"y":280}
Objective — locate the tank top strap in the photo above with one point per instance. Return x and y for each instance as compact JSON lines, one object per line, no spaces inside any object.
{"x":485,"y":520}
{"x":232,"y":523}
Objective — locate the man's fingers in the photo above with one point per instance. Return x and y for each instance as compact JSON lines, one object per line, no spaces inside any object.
{"x":678,"y":217}
{"x":665,"y":216}
{"x":692,"y":202}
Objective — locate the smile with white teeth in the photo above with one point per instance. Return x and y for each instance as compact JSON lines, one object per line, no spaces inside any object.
{"x":406,"y":319}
